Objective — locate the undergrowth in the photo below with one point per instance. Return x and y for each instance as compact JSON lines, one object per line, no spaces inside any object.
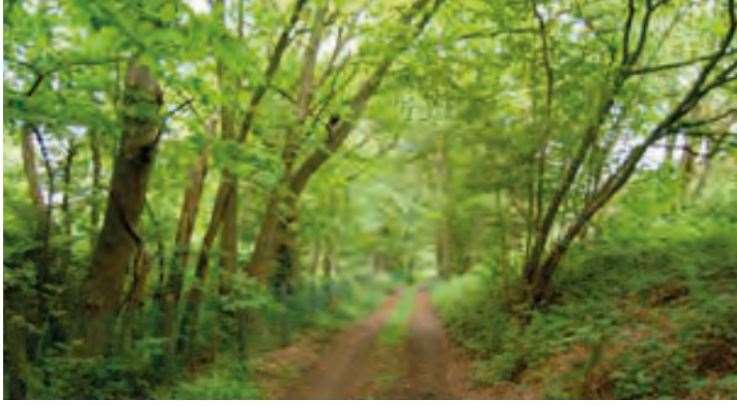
{"x":141,"y":373}
{"x":645,"y":308}
{"x":231,"y":375}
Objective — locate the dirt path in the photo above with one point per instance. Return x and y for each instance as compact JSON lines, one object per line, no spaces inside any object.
{"x":357,"y":365}
{"x":426,"y":353}
{"x":340,"y":373}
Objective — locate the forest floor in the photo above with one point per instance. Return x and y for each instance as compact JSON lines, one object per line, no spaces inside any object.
{"x":400,"y":351}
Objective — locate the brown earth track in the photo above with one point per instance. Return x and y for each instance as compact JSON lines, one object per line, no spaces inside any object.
{"x":356,"y":365}
{"x":426,"y":350}
{"x":340,"y":372}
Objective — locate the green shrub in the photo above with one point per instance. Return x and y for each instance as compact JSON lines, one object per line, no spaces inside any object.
{"x":652,"y":369}
{"x":669,"y":275}
{"x":132,"y":375}
{"x":221,"y":382}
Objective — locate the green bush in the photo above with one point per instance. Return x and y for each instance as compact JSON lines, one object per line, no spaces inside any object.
{"x":221,"y":382}
{"x":651,"y":369}
{"x":671,"y":275}
{"x":132,"y":375}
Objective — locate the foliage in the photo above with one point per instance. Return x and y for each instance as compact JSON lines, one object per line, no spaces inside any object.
{"x":660,"y":315}
{"x":290,"y":155}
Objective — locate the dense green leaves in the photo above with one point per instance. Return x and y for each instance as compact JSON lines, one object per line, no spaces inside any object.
{"x":364,"y":137}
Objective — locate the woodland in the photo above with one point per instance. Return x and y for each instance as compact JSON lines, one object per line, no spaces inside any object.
{"x":370,"y":199}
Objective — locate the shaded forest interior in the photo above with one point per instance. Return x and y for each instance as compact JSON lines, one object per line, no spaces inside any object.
{"x":200,"y":194}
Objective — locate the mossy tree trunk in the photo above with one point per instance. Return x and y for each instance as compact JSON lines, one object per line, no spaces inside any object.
{"x":118,"y":240}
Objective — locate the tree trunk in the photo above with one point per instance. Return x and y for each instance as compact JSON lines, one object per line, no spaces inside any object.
{"x":29,"y":169}
{"x":48,"y":275}
{"x":190,"y":319}
{"x":338,"y":128}
{"x":443,"y":243}
{"x":134,"y":300}
{"x":15,"y":335}
{"x":67,"y":186}
{"x":65,"y":212}
{"x":670,"y":147}
{"x":711,"y":148}
{"x":248,"y":119}
{"x":688,"y":160}
{"x":286,"y":257}
{"x":262,"y":258}
{"x":531,"y":267}
{"x":96,"y":184}
{"x":118,"y":238}
{"x":229,"y":243}
{"x":182,"y":244}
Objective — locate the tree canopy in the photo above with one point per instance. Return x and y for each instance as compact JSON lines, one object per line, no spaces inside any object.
{"x":170,"y":166}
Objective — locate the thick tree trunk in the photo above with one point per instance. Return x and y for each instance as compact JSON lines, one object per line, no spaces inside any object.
{"x":134,"y":300}
{"x":118,"y":238}
{"x":262,"y":258}
{"x":273,"y":258}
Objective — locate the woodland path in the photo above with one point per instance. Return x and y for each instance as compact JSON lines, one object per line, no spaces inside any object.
{"x":357,"y":365}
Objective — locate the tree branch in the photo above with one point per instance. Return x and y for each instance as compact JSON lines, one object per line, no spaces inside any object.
{"x":493,"y":34}
{"x":628,"y":31}
{"x":718,"y":117}
{"x":274,"y":61}
{"x":676,"y":65}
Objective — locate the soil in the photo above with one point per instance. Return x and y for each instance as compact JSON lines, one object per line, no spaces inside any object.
{"x":355,"y":364}
{"x":341,"y":371}
{"x":426,"y":352}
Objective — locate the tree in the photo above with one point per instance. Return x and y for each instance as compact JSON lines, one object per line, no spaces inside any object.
{"x":119,"y":241}
{"x":539,"y":271}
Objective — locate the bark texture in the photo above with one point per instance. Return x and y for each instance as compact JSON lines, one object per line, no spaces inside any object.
{"x":118,"y":240}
